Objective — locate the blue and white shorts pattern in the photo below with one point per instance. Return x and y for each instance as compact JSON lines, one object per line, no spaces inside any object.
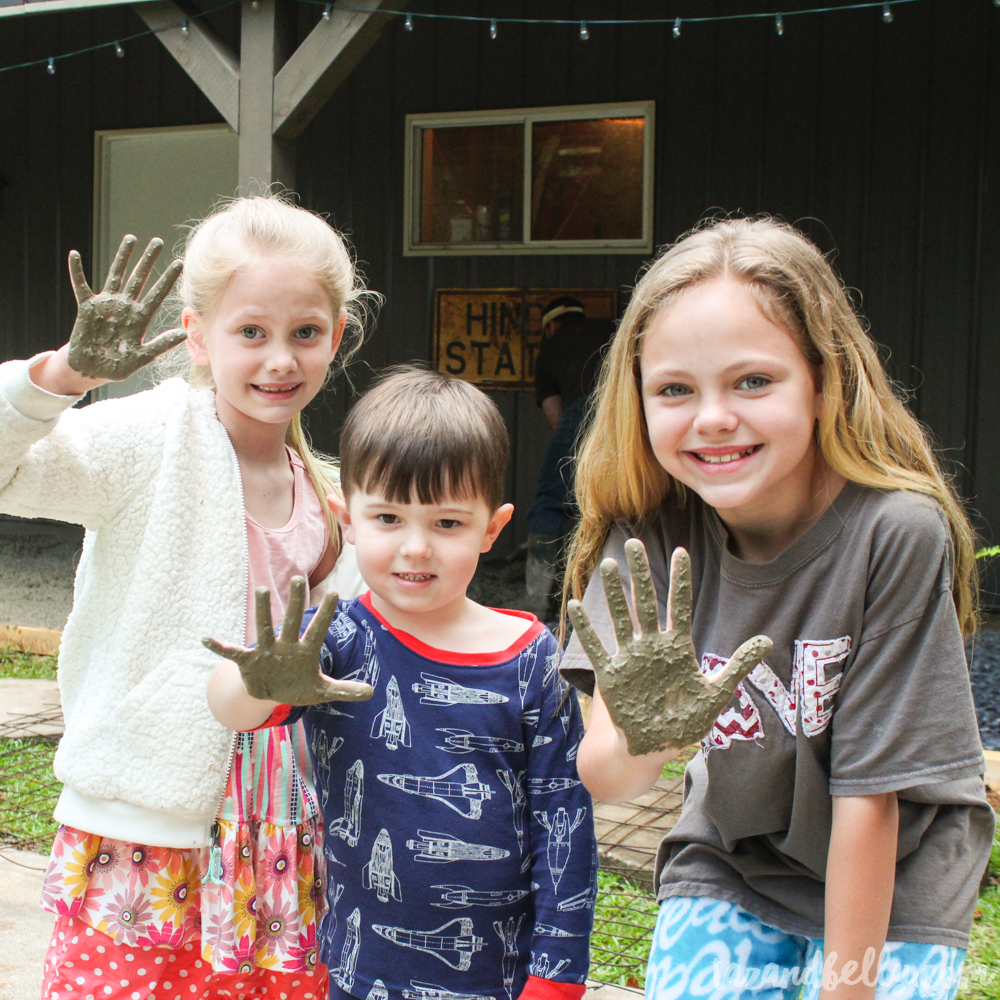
{"x":713,"y":950}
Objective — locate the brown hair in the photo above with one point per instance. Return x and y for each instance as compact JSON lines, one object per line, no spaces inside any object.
{"x":865,"y":433}
{"x":424,"y":433}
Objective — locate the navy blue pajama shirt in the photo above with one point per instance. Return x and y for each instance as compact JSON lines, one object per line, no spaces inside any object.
{"x":460,"y":844}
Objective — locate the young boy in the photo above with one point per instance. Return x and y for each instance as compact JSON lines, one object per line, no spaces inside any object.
{"x":459,"y":840}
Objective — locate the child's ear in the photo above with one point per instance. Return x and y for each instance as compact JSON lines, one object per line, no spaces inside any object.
{"x":496,"y":524}
{"x":338,"y":330}
{"x":339,"y":507}
{"x":195,"y":338}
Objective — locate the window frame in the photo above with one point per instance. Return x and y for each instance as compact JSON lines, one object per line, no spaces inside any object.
{"x":526,"y":116}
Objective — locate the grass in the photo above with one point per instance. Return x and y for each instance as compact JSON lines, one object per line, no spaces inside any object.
{"x":982,"y":964}
{"x":28,"y":793}
{"x":675,"y":768}
{"x":28,"y":788}
{"x":623,"y":928}
{"x":26,"y":666}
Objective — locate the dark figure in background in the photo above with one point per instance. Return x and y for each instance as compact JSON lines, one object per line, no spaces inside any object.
{"x":566,"y":371}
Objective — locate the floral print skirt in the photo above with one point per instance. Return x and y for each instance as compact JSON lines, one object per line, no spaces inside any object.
{"x":261,"y":913}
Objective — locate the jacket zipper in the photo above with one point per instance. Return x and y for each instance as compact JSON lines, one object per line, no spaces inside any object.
{"x":215,"y":852}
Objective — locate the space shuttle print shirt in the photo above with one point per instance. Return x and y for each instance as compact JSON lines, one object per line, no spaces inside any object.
{"x":460,"y":845}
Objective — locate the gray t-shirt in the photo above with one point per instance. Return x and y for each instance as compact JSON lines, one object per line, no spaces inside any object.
{"x":865,"y":691}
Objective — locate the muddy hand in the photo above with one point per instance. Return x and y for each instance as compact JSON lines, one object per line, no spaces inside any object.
{"x":653,"y":687}
{"x":286,"y":668}
{"x":106,"y":341}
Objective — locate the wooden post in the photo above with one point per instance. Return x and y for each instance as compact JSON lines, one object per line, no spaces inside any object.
{"x":263,"y":159}
{"x":276,"y":99}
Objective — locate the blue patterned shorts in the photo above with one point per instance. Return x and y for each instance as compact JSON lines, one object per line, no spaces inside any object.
{"x":714,"y":950}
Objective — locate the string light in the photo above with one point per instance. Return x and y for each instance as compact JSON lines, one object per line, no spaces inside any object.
{"x":886,"y":7}
{"x":119,"y":51}
{"x":493,"y":29}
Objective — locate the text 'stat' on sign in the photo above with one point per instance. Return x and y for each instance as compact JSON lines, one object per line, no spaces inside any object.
{"x":490,"y":336}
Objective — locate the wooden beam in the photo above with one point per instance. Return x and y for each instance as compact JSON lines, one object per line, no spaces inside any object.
{"x":322,"y":62}
{"x":201,"y":54}
{"x":263,"y":159}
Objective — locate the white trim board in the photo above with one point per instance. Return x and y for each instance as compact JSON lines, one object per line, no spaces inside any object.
{"x":49,"y":6}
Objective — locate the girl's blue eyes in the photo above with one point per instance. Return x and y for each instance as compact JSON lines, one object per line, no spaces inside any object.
{"x":304,"y":333}
{"x":749,"y":383}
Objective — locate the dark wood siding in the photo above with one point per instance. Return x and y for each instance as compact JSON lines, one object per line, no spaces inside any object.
{"x":880,"y":140}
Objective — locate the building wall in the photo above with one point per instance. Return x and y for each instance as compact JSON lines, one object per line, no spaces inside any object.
{"x":881,"y":140}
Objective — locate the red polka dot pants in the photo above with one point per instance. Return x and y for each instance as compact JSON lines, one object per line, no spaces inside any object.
{"x":84,"y":964}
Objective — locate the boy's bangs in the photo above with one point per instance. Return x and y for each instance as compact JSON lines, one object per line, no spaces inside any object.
{"x":429,"y":470}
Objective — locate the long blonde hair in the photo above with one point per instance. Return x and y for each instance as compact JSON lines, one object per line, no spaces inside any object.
{"x":865,"y":433}
{"x":243,"y":231}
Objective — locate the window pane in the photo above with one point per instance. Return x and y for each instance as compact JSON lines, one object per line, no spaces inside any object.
{"x":472,"y":183}
{"x":587,"y":179}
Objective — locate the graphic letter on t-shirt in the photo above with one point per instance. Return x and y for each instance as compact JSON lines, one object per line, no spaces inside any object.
{"x":741,"y":722}
{"x":811,"y":689}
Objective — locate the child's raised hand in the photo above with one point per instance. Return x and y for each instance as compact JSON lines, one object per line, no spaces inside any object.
{"x":106,"y":342}
{"x":286,"y":668}
{"x":653,"y":687}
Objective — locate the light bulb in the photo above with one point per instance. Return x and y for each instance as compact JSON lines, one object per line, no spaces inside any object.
{"x":493,"y":29}
{"x":779,"y":25}
{"x":326,"y":11}
{"x":184,"y":27}
{"x":119,"y":51}
{"x":408,"y":25}
{"x":584,"y":32}
{"x":887,"y":14}
{"x":677,"y":28}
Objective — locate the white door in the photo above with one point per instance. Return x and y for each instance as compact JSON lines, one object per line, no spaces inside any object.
{"x":156,"y":182}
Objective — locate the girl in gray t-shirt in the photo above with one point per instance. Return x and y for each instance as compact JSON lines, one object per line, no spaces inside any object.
{"x":835,"y":825}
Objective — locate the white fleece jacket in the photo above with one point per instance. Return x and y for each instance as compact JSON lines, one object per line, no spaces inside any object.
{"x":155,"y":481}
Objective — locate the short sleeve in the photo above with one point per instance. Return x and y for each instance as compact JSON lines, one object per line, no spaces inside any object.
{"x":904,"y":714}
{"x":545,"y":384}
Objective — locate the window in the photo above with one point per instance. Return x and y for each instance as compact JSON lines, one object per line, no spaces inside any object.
{"x":540,"y":180}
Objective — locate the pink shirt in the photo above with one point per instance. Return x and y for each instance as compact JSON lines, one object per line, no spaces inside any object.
{"x":278,"y":554}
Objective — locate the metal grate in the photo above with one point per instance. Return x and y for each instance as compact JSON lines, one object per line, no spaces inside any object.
{"x":628,"y":836}
{"x":28,"y":787}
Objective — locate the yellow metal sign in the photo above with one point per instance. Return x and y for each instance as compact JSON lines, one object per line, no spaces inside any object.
{"x":490,"y":336}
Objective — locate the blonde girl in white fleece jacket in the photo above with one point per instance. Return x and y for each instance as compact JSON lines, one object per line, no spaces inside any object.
{"x":187,"y":862}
